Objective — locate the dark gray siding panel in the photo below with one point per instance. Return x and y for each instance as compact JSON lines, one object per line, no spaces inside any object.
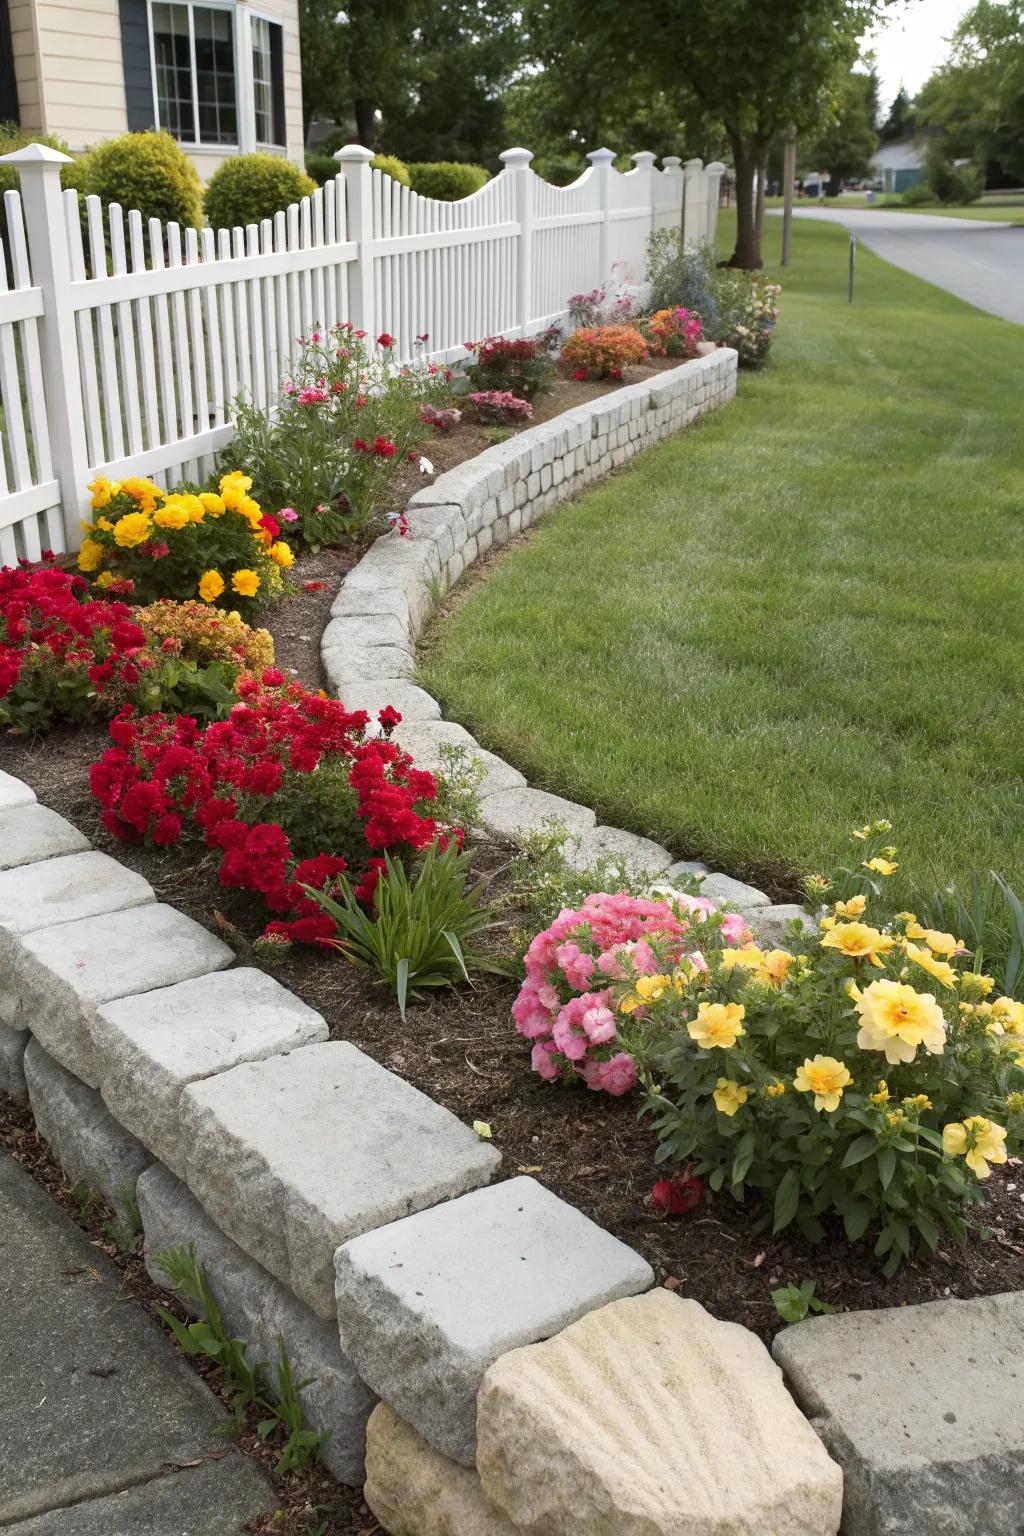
{"x":138,"y":74}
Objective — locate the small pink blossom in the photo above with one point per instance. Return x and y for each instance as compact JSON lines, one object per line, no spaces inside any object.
{"x":288,"y":515}
{"x":616,"y":1076}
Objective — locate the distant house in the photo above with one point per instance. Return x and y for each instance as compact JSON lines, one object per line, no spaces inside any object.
{"x":222,"y":77}
{"x":899,"y":166}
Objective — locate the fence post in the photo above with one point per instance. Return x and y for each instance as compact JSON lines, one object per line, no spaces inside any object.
{"x":694,"y":195}
{"x":38,"y":167}
{"x":517,"y":166}
{"x":354,"y":161}
{"x":601,"y":160}
{"x":714,"y":172}
{"x":644,"y":162}
{"x":672,"y":166}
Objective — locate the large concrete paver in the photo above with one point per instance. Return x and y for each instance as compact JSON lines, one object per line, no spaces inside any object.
{"x":94,"y":1399}
{"x":218,"y":1498}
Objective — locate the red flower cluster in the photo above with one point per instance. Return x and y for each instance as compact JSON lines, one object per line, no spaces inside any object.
{"x":281,"y":787}
{"x":59,"y":652}
{"x":383,"y":447}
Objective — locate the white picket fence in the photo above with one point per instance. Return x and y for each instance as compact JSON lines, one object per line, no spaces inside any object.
{"x":122,"y":348}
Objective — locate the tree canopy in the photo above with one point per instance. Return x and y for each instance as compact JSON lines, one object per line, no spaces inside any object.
{"x":976,"y":99}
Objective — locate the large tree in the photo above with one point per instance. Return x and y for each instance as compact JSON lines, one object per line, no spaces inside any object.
{"x":977,"y":98}
{"x":899,"y":122}
{"x":356,"y":58}
{"x":758,"y":69}
{"x":847,"y":140}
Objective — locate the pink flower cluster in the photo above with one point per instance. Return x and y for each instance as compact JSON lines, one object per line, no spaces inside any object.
{"x":566,"y":1005}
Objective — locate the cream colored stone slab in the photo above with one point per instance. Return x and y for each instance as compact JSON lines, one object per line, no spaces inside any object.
{"x":651,"y":1418}
{"x":415,"y":1491}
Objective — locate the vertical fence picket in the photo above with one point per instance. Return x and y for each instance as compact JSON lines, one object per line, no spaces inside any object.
{"x":104,"y":324}
{"x":147,"y":359}
{"x":183,"y":370}
{"x":165,"y":364}
{"x":197,"y":339}
{"x":254,"y":338}
{"x":126,"y":344}
{"x":240,"y":328}
{"x":211,"y":320}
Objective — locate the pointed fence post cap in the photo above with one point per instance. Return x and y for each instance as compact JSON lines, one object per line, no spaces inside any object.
{"x":355,"y":153}
{"x":511,"y":158}
{"x":643,"y":157}
{"x":36,"y":154}
{"x":601,"y":156}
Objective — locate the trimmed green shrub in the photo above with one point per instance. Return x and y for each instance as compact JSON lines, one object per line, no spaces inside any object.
{"x":393,"y":167}
{"x":559,"y":170}
{"x":914,"y":197}
{"x":320,"y":168}
{"x":12,"y":137}
{"x":954,"y":185}
{"x":447,"y":179}
{"x":147,"y":171}
{"x":248,"y":188}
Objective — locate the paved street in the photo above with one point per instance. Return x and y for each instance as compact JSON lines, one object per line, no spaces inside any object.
{"x":979,"y":261}
{"x":104,"y":1430}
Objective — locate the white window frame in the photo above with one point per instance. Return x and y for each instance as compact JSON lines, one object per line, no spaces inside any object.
{"x":243,"y":105}
{"x":268,"y":146}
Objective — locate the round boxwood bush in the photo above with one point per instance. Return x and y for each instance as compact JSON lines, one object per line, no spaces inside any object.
{"x":147,"y":171}
{"x":447,"y":179}
{"x":248,"y":188}
{"x":393,"y":167}
{"x":320,"y":167}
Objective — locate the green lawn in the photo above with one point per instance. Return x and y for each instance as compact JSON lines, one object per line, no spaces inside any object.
{"x":805,"y":611}
{"x":1008,"y":212}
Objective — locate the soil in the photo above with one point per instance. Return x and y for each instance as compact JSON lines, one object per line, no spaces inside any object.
{"x":461,"y":1048}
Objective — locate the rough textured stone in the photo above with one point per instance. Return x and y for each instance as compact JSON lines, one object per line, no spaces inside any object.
{"x":514,"y":813}
{"x":687,"y":867}
{"x":66,"y":889}
{"x":641,"y":855}
{"x":216,"y":1498}
{"x":295,"y":1155}
{"x":14,"y":793}
{"x":55,"y":978}
{"x":82,"y":1134}
{"x":923,"y":1407}
{"x":651,"y":1418}
{"x":427,"y":1304}
{"x":34,"y":832}
{"x":259,"y":1309}
{"x":93,"y":1395}
{"x":411,"y":701}
{"x":348,"y":665}
{"x":732,"y":893}
{"x":12,"y":1063}
{"x":415,"y":1491}
{"x":148,"y":1048}
{"x":365,"y":632}
{"x":771,"y":924}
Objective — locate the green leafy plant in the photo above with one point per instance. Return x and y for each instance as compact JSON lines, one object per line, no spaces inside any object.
{"x":148,"y":171}
{"x":448,"y":180}
{"x":794,"y":1302}
{"x":248,"y":1386}
{"x":417,"y":937}
{"x":248,"y":188}
{"x":393,"y":167}
{"x":459,"y":778}
{"x":916,"y":196}
{"x":989,"y":917}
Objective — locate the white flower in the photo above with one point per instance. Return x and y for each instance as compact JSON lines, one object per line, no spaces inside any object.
{"x":426,"y":468}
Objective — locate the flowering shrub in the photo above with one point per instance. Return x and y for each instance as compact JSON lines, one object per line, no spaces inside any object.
{"x":497,"y":407}
{"x":869,"y":1077}
{"x":738,"y":309}
{"x":202,"y":634}
{"x":749,"y":308}
{"x":218,"y":546}
{"x":441,"y":418}
{"x":522,"y":367}
{"x":63,"y":657}
{"x":566,"y":1005}
{"x":672,"y":332}
{"x":288,"y":788}
{"x":587,"y":310}
{"x":347,"y":417}
{"x":602,"y":352}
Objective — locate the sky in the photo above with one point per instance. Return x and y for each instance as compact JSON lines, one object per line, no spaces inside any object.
{"x":911,"y":42}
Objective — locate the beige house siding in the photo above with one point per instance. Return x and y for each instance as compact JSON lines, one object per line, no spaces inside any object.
{"x":70,"y":73}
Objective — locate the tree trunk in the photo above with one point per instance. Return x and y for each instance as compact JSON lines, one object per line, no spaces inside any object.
{"x":762,"y":177}
{"x":788,"y":187}
{"x":746,"y":157}
{"x":366,"y":122}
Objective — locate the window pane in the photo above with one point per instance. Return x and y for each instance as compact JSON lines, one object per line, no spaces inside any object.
{"x":263,"y":96}
{"x":215,"y":75}
{"x":172,"y":57}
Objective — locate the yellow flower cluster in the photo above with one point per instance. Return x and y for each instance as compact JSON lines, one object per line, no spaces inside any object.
{"x":203,"y":635}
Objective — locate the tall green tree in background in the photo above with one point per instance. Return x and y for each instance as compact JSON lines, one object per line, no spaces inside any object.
{"x":848,"y":139}
{"x":356,"y":58}
{"x":977,"y":98}
{"x":899,"y":122}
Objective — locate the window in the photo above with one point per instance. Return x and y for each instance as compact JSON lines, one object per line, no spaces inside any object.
{"x":267,"y":81}
{"x":194,"y":68}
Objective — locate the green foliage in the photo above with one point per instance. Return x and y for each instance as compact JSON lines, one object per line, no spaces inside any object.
{"x":13,"y":138}
{"x":989,"y":917}
{"x":917,"y":196}
{"x":248,"y":188}
{"x":417,"y":938}
{"x":448,"y":180}
{"x":848,"y":138}
{"x":794,"y":1302}
{"x":148,"y":171}
{"x":459,"y":778}
{"x":736,"y":309}
{"x":899,"y":122}
{"x":248,"y":1386}
{"x":977,"y":97}
{"x":955,"y":185}
{"x":320,"y":167}
{"x":522,"y":367}
{"x":393,"y":167}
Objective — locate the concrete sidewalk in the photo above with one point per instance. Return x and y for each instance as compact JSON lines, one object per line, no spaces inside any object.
{"x":104,"y":1430}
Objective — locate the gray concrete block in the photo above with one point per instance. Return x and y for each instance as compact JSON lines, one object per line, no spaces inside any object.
{"x":64,"y":889}
{"x":642,"y":855}
{"x":82,"y":1134}
{"x":514,"y":813}
{"x":359,"y":664}
{"x":12,"y":1063}
{"x":771,"y":924}
{"x":411,"y":701}
{"x":296,"y":1155}
{"x":260,"y":1310}
{"x":14,"y":793}
{"x":34,"y":832}
{"x":427,"y":1304}
{"x":363,"y":632}
{"x":687,"y":867}
{"x":921,"y":1407}
{"x":54,"y":979}
{"x":732,"y":893}
{"x":147,"y":1049}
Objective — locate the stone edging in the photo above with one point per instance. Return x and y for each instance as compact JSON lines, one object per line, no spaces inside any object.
{"x":368,"y":648}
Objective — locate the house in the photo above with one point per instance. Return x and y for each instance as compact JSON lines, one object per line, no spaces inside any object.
{"x":899,"y":166}
{"x":223,"y":77}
